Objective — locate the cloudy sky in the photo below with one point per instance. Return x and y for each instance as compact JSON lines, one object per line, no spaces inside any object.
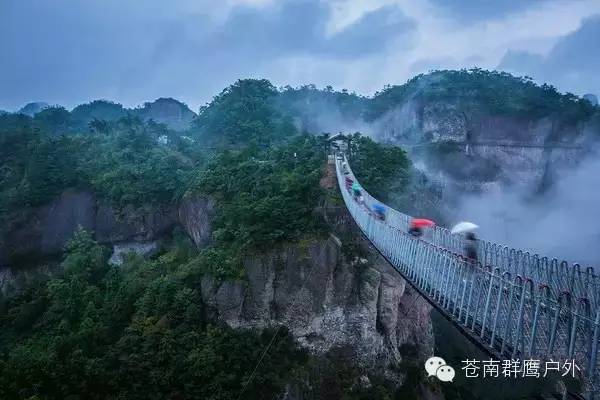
{"x":72,"y":51}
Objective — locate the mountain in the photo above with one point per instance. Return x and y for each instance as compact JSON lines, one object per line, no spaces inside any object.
{"x":124,"y":258}
{"x":229,"y":246}
{"x":478,"y":130}
{"x":173,"y":113}
{"x":97,"y":109}
{"x":469,"y":128}
{"x":33,"y":108}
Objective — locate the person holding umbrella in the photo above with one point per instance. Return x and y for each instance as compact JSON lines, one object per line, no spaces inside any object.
{"x":348,"y":183}
{"x":356,"y":190}
{"x":471,"y":246}
{"x":379,"y":210}
{"x":418,"y":224}
{"x":470,"y":241}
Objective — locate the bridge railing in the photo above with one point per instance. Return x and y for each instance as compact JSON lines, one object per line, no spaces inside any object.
{"x":515,"y":304}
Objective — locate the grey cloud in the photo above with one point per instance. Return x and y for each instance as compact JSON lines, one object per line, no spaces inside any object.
{"x":66,"y":51}
{"x":573,"y":64}
{"x":70,"y":52}
{"x":563,"y":224}
{"x":479,"y":10}
{"x":299,"y":27}
{"x":371,"y":33}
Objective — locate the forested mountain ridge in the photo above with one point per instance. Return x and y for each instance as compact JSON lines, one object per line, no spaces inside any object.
{"x":125,"y":161}
{"x":33,"y":108}
{"x":470,"y":92}
{"x":497,"y":93}
{"x":134,"y":330}
{"x":234,"y":210}
{"x":173,"y":113}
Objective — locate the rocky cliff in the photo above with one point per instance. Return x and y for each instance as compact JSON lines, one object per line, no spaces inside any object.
{"x":472,"y":150}
{"x":329,"y":298}
{"x":326,"y":301}
{"x":43,"y":231}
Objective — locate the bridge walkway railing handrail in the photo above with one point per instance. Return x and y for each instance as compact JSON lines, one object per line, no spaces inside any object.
{"x":518,"y":305}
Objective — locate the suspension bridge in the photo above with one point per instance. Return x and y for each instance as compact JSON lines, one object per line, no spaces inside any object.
{"x":516,"y":305}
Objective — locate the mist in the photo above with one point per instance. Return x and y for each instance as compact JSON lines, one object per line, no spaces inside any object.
{"x":562,"y":222}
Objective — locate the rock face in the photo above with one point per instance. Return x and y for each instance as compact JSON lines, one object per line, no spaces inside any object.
{"x":327,"y":301}
{"x":170,"y":112}
{"x":195,"y":215}
{"x":121,"y":250}
{"x":140,"y":224}
{"x":45,"y":230}
{"x":476,"y":149}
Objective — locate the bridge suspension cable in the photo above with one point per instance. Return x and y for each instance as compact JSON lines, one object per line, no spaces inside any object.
{"x":515,"y":304}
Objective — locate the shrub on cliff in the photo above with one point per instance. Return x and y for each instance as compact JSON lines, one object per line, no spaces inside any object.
{"x":382,"y":169}
{"x":264,"y":196}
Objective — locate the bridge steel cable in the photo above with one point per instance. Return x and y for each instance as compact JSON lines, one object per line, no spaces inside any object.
{"x":515,"y":304}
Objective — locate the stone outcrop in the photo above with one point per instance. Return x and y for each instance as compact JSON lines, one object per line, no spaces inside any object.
{"x":327,"y":301}
{"x":121,"y":250}
{"x":470,"y":150}
{"x":195,"y":215}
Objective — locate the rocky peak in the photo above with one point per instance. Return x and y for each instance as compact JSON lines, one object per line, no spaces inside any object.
{"x":173,"y":113}
{"x":43,"y":231}
{"x":33,"y":108}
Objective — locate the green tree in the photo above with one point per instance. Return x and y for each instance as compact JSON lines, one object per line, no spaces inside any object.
{"x":55,"y":120}
{"x":383,"y":170}
{"x":242,"y":113}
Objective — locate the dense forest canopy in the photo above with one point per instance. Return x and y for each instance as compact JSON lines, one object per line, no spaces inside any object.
{"x":383,"y":169}
{"x":495,"y":92}
{"x":97,"y":110}
{"x":474,"y":90}
{"x":122,"y":162}
{"x":94,"y":330}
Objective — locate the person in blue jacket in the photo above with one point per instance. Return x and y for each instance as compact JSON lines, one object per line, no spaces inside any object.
{"x":379,"y":211}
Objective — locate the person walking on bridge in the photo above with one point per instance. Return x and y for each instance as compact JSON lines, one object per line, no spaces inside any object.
{"x":469,"y":239}
{"x":418,"y":224}
{"x":471,"y":246}
{"x":356,"y":190}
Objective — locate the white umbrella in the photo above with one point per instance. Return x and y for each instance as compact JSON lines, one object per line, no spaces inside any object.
{"x":464,"y":226}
